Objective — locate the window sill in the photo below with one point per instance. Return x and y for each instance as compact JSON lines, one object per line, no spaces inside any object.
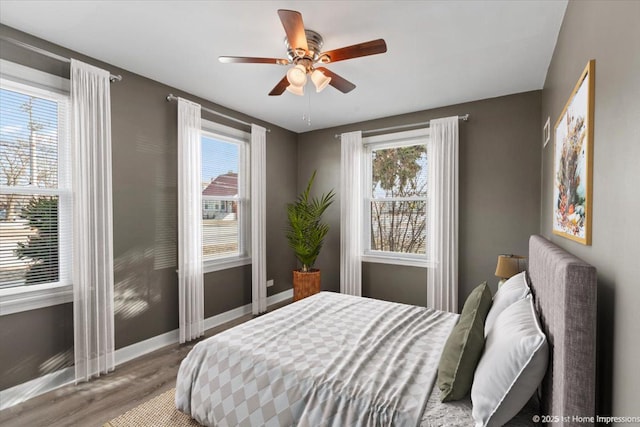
{"x":224,"y":264}
{"x":406,"y":261}
{"x":24,"y":298}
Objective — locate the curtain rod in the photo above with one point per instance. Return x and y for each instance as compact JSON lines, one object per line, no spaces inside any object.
{"x":172,"y":97}
{"x":464,"y":118}
{"x":112,"y":77}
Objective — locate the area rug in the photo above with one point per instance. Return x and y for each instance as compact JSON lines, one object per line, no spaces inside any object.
{"x":158,"y":412}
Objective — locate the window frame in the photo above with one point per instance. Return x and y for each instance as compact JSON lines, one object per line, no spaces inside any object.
{"x":242,"y":139}
{"x":392,"y":140}
{"x":18,"y":78}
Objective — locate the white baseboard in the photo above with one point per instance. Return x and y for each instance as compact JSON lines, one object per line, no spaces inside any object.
{"x":282,"y":296}
{"x":25,"y":391}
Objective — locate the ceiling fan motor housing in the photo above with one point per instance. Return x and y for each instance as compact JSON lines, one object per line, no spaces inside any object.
{"x":306,"y":58}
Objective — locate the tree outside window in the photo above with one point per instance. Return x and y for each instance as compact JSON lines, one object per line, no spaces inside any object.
{"x":28,"y":181}
{"x":398,"y":205}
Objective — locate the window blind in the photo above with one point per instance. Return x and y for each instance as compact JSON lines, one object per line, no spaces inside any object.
{"x":35,"y":195}
{"x":398,"y":198}
{"x":222,"y":197}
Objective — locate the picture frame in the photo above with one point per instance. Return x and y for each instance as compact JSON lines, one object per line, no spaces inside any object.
{"x":573,"y":162}
{"x":546,"y":132}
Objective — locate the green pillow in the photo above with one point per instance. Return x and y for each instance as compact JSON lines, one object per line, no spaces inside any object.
{"x":464,"y":346}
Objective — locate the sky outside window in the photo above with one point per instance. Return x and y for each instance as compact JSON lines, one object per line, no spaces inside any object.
{"x":218,"y":158}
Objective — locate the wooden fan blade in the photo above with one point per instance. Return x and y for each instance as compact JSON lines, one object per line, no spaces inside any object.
{"x":373,"y":47}
{"x":280,"y":87}
{"x":294,"y":27}
{"x":249,"y":60}
{"x":342,"y":84}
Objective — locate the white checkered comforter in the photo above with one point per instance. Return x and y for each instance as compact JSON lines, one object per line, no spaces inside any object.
{"x":327,"y":360}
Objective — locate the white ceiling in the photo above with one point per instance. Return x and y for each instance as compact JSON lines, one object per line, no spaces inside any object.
{"x":439,"y":52}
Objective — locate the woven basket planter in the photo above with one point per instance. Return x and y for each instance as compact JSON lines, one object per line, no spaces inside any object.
{"x":305,"y":283}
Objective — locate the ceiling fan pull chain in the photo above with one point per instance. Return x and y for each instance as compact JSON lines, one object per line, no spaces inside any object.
{"x":308,"y":109}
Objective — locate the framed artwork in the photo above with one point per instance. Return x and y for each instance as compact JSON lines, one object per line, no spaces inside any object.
{"x":573,"y":162}
{"x":546,"y":132}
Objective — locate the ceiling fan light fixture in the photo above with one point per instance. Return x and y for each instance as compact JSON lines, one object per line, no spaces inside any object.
{"x":319,"y":80}
{"x":297,"y":75}
{"x":296,"y":90}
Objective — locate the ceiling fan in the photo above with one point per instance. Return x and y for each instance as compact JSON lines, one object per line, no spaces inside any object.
{"x":303,"y":50}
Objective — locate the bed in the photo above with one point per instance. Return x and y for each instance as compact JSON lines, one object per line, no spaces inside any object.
{"x":338,"y":360}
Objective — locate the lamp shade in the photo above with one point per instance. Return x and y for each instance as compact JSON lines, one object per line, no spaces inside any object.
{"x":297,"y":75}
{"x":319,"y":80}
{"x":508,"y":265}
{"x":296,"y":90}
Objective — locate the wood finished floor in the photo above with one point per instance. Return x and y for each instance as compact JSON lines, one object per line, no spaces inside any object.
{"x":96,"y":402}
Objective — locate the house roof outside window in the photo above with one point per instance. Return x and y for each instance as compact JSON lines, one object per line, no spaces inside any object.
{"x":222,"y":185}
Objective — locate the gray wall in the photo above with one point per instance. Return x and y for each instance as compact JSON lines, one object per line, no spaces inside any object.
{"x":499,"y":192}
{"x":609,"y":33}
{"x":144,"y":135}
{"x":35,"y":343}
{"x":395,"y":283}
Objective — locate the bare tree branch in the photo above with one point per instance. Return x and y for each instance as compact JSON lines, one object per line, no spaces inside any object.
{"x":399,"y":173}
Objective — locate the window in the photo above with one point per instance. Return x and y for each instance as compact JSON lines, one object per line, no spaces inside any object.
{"x":35,"y":190}
{"x":395,"y":189}
{"x":225,"y":184}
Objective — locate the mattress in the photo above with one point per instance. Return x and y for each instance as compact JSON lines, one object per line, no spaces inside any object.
{"x":327,"y":360}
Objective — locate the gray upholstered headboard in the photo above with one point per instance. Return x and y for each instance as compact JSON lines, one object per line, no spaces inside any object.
{"x":564,"y":289}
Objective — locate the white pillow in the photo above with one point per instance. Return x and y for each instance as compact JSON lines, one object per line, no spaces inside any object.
{"x":511,"y":367}
{"x":511,"y":291}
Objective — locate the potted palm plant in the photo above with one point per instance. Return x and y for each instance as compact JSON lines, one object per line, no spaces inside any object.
{"x":306,"y":233}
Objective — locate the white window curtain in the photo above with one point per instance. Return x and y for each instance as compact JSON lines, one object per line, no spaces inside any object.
{"x":258,"y":220}
{"x":442,"y":277}
{"x":92,"y":221}
{"x":351,"y":220}
{"x":190,"y":275}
